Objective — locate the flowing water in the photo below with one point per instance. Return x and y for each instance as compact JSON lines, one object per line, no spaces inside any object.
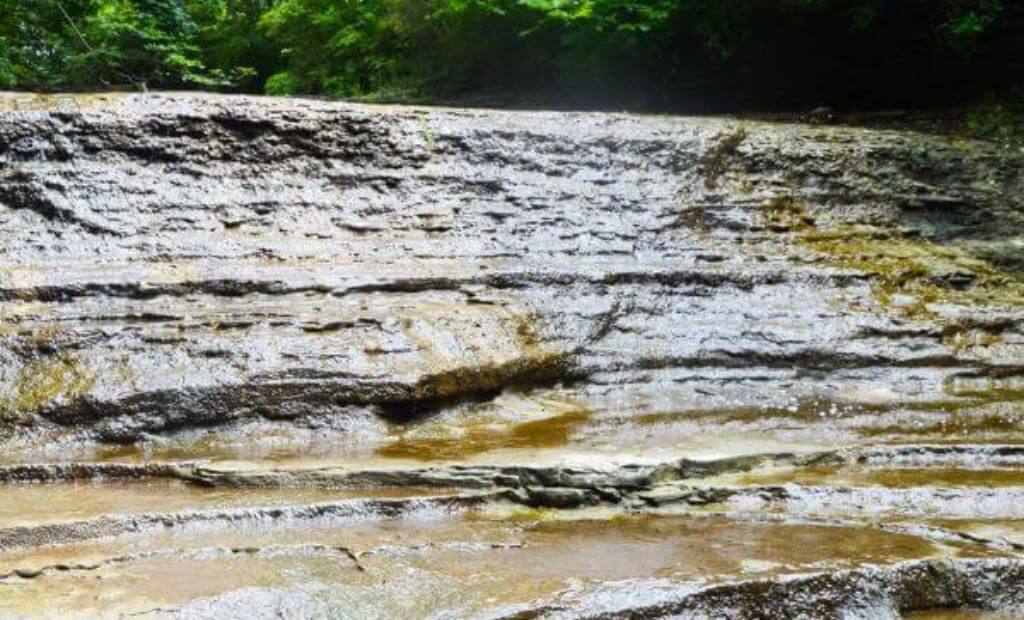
{"x":291,"y":358}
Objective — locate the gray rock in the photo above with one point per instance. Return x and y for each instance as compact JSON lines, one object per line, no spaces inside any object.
{"x":554,"y":497}
{"x":175,"y":261}
{"x":568,"y":311}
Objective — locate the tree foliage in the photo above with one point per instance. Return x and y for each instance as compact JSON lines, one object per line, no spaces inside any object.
{"x":59,"y":43}
{"x":654,"y":52}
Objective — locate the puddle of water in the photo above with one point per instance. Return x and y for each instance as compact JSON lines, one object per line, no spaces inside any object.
{"x":994,"y":420}
{"x":687,"y":548}
{"x":253,"y":440}
{"x":809,"y":411}
{"x":473,"y":439}
{"x":31,"y":504}
{"x":511,"y":422}
{"x":551,"y":424}
{"x":416,"y":567}
{"x":573,"y":436}
{"x":157,"y":585}
{"x":1009,"y":530}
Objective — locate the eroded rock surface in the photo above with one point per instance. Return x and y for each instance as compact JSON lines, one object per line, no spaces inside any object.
{"x":504,"y":335}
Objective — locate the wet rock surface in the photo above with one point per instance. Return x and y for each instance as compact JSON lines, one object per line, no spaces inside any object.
{"x":373,"y":361}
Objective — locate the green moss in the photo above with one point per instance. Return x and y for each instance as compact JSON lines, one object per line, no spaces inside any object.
{"x":961,"y":337}
{"x":44,"y":381}
{"x":526,"y":333}
{"x":694,"y":217}
{"x":908,"y":275}
{"x":784,"y":213}
{"x":998,"y":121}
{"x":427,"y":134}
{"x":716,"y":161}
{"x":526,"y":514}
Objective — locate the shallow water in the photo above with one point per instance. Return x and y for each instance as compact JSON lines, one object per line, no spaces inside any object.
{"x":465,"y":564}
{"x":33,"y":504}
{"x":895,"y":477}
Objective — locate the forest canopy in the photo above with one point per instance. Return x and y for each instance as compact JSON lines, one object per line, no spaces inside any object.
{"x":635,"y":53}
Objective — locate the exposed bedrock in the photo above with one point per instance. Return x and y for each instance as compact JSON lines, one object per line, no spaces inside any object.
{"x":294,"y":358}
{"x":172,"y":261}
{"x":881,"y":593}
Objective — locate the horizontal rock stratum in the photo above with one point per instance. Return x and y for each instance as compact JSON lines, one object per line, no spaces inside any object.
{"x":414,"y":356}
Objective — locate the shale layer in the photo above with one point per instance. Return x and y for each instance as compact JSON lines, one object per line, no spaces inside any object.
{"x":281,"y":357}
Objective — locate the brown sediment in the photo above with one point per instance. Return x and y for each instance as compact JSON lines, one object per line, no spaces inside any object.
{"x":41,"y":503}
{"x":908,"y":275}
{"x":465,"y":440}
{"x":525,"y":560}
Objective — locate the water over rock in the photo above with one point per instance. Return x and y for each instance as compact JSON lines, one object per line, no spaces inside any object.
{"x":500,"y":319}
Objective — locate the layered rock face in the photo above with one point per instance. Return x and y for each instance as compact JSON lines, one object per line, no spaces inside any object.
{"x":521,"y":324}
